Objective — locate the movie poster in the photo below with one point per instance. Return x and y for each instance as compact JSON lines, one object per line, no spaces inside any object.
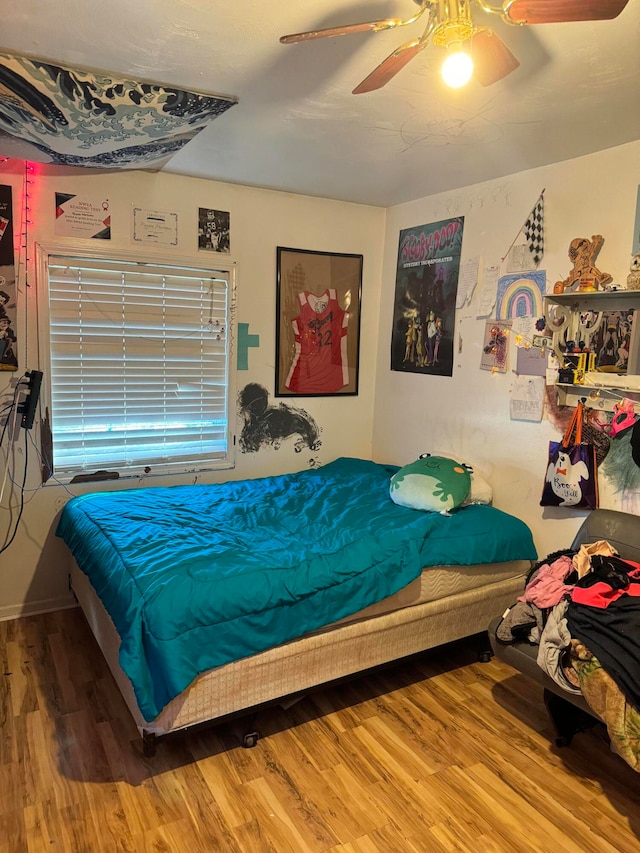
{"x":424,"y":311}
{"x":8,"y":338}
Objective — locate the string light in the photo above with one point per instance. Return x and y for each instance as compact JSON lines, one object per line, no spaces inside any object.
{"x":27,"y":221}
{"x":23,"y":253}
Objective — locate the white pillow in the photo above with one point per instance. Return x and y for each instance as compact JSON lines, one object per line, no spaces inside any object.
{"x":480,"y":493}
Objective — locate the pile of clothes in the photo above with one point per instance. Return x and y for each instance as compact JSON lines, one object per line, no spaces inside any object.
{"x":582,"y":609}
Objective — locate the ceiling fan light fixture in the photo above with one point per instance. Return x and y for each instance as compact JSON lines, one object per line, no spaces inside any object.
{"x":457,"y":67}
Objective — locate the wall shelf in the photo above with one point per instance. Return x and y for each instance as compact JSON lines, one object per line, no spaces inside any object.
{"x":577,"y":316}
{"x":600,"y":397}
{"x":599,"y":300}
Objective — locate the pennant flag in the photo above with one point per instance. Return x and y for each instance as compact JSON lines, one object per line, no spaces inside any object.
{"x":534,"y":230}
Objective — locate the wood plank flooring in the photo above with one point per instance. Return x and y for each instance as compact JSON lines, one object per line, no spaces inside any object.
{"x":438,"y":753}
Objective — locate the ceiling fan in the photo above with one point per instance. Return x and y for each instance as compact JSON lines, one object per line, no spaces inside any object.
{"x":471,"y":49}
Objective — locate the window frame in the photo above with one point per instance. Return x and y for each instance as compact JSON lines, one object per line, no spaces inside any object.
{"x":43,"y":253}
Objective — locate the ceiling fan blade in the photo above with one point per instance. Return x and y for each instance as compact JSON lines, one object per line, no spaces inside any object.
{"x":374,"y":26}
{"x":492,"y":59}
{"x":329,"y":32}
{"x":562,"y":11}
{"x":391,"y":66}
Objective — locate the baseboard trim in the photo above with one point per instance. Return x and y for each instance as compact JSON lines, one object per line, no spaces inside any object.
{"x":35,"y":608}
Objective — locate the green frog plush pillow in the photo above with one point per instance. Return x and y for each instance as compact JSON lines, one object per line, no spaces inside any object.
{"x":433,"y":483}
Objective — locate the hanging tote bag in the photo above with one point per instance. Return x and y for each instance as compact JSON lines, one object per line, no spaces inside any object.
{"x":571,"y":478}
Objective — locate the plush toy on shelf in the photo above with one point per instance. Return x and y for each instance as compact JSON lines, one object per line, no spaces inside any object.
{"x":633,"y":279}
{"x":585,"y":274}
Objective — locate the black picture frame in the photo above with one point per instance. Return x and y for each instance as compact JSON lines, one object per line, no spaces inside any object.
{"x":318,"y":310}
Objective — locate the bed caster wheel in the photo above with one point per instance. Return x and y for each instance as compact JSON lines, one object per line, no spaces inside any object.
{"x":149,"y":743}
{"x":250,"y":740}
{"x":485,"y":657}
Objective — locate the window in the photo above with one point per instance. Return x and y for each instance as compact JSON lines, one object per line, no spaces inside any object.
{"x":139,"y":366}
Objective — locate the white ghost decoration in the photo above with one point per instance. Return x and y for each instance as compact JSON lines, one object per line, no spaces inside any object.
{"x":565,"y":478}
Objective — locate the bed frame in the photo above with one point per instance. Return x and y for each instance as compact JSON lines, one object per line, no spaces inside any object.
{"x":281,"y":674}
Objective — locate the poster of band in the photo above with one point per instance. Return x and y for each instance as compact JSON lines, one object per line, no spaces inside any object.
{"x":424,"y":310}
{"x":8,"y":349}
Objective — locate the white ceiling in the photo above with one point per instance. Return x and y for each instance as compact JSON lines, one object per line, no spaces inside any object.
{"x":298,"y":128}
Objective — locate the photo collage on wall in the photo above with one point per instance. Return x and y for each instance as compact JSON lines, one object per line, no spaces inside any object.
{"x":424,"y":310}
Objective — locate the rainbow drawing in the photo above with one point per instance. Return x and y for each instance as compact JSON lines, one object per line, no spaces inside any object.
{"x":521,"y":295}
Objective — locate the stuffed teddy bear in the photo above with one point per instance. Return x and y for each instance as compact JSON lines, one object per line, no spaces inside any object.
{"x":633,"y":279}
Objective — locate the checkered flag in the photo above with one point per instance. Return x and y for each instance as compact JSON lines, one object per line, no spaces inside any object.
{"x":534,"y":231}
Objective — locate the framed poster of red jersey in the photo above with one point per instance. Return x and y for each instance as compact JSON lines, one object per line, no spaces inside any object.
{"x":317,"y":323}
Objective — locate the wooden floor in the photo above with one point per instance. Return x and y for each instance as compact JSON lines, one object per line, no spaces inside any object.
{"x":439,"y":753}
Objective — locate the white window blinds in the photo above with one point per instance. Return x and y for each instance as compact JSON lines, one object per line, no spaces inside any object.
{"x":139,"y":366}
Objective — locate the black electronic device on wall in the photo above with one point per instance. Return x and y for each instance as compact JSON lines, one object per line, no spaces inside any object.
{"x":28,"y":407}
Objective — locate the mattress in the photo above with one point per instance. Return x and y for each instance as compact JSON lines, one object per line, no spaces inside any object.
{"x":440,"y":582}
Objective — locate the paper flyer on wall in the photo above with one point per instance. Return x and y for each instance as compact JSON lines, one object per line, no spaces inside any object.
{"x":155,"y":226}
{"x":487,"y":296}
{"x":527,"y":398}
{"x":424,"y":312}
{"x":82,"y":216}
{"x":467,"y":281}
{"x":8,"y":337}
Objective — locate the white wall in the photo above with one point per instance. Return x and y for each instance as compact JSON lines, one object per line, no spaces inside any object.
{"x":468,"y":415}
{"x":33,"y":570}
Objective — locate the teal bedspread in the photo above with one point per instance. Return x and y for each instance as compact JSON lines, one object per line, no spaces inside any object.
{"x":196,"y":576}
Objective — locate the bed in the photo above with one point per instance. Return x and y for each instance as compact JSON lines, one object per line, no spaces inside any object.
{"x":212,"y":600}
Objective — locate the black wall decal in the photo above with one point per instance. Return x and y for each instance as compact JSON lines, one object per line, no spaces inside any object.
{"x":265,"y":424}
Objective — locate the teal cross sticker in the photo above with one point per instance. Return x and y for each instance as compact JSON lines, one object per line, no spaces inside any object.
{"x":245,"y":340}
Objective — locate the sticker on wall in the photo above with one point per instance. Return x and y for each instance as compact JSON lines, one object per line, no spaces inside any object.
{"x":521,"y":295}
{"x":267,"y":425}
{"x":8,"y":337}
{"x":213,"y":230}
{"x":60,"y":115}
{"x":82,"y":216}
{"x":424,"y":312}
{"x":155,"y":226}
{"x":245,"y":340}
